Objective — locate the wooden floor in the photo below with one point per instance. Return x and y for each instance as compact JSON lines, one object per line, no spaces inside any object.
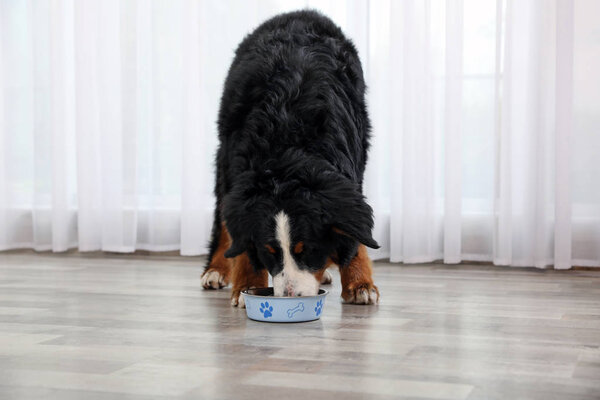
{"x":140,"y":327}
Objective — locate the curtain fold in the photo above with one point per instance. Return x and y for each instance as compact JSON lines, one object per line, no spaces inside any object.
{"x":452,"y":131}
{"x":5,"y":240}
{"x":485,"y":124}
{"x":564,"y":126}
{"x":526,"y":139}
{"x":419,"y":240}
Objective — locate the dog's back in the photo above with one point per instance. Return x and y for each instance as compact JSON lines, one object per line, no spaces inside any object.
{"x":294,"y":91}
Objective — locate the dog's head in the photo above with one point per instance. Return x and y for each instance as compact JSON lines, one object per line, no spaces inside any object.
{"x":293,"y":228}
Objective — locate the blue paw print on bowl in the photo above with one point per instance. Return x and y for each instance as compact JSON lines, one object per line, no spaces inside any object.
{"x":266,"y":309}
{"x":319,"y":307}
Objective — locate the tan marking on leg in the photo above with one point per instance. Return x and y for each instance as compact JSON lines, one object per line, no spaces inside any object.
{"x":357,"y":280}
{"x":218,"y":273}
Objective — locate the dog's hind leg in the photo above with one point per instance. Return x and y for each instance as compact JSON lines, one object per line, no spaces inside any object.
{"x":326,"y":278}
{"x":323,"y":276}
{"x":217,"y":272}
{"x":244,"y":276}
{"x":357,"y":280}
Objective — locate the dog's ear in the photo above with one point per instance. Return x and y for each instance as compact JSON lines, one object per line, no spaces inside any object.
{"x":244,"y":211}
{"x":347,"y":211}
{"x":365,"y":239}
{"x":236,"y":215}
{"x":345,"y":250}
{"x":236,"y":248}
{"x":357,"y":224}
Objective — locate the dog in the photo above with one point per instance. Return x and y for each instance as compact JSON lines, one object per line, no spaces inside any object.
{"x":293,"y":140}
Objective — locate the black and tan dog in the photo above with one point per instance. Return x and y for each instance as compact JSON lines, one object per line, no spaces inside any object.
{"x":294,"y":135}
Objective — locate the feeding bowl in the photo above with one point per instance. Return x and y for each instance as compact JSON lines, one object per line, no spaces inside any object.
{"x":261,"y":305}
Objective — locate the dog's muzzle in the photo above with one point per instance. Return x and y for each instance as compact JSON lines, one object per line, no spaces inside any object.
{"x":303,"y":284}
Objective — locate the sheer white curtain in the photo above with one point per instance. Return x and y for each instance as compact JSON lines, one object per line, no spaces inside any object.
{"x":486,"y":116}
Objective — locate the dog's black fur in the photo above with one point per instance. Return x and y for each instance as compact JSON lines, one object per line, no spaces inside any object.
{"x":294,"y":135}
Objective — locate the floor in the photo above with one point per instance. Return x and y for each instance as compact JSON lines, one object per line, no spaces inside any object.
{"x":140,"y":327}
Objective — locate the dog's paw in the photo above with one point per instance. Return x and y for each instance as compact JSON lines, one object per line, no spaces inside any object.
{"x":327,"y":278}
{"x":213,"y":279}
{"x":361,"y":293}
{"x":237,"y":299}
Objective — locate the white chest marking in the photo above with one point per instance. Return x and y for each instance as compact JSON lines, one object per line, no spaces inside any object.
{"x":291,"y":280}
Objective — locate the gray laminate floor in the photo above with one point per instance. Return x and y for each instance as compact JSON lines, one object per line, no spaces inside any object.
{"x":140,"y":327}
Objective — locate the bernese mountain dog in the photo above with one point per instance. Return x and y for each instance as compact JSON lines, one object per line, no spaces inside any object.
{"x":294,"y":134}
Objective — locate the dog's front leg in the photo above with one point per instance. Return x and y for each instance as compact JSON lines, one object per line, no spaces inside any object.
{"x":245,"y":277}
{"x":357,"y":280}
{"x":217,"y":272}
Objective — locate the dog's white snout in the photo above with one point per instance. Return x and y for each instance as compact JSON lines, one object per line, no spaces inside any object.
{"x":304,"y":284}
